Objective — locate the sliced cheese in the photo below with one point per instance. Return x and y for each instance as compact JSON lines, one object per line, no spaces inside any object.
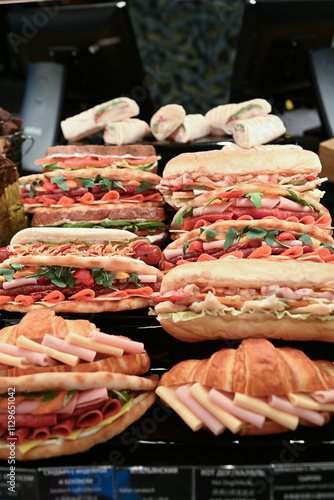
{"x":305,"y":401}
{"x":74,"y":338}
{"x":259,"y":406}
{"x":67,"y":359}
{"x":167,"y":394}
{"x":200,"y":393}
{"x":18,"y":361}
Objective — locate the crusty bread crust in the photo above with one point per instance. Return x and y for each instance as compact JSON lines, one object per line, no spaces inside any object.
{"x":245,"y":273}
{"x":60,"y":235}
{"x":80,"y":445}
{"x":140,"y":150}
{"x":248,"y":325}
{"x":235,"y":160}
{"x":81,"y":213}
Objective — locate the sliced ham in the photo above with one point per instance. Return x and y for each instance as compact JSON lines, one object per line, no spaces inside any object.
{"x":27,"y":406}
{"x":40,"y":433}
{"x":63,"y":346}
{"x":211,"y":422}
{"x":213,"y":208}
{"x":91,"y":397}
{"x":89,"y":419}
{"x":224,"y":400}
{"x":110,"y":407}
{"x":127,"y":345}
{"x":64,"y":428}
{"x":34,"y":357}
{"x":70,"y":407}
{"x":282,"y":403}
{"x":19,"y":282}
{"x":286,"y":204}
{"x":323,"y":396}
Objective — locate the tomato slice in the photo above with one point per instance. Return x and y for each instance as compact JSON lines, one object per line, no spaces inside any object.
{"x":84,"y":275}
{"x":285,"y":235}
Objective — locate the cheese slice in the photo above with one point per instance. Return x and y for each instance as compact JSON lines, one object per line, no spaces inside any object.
{"x":67,"y":359}
{"x":200,"y":393}
{"x":18,"y":361}
{"x":259,"y":406}
{"x":306,"y":401}
{"x":74,"y":338}
{"x":167,"y":394}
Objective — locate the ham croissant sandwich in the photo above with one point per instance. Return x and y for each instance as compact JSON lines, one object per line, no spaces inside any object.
{"x":254,"y":389}
{"x":85,"y":242}
{"x":270,"y":239}
{"x":250,"y":202}
{"x":241,"y":298}
{"x":191,"y":174}
{"x":71,"y":387}
{"x":71,"y":283}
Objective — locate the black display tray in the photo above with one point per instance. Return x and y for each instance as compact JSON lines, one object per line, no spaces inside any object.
{"x":161,"y":437}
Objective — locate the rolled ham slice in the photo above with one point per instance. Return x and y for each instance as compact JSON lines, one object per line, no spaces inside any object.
{"x":40,"y":433}
{"x":27,"y":406}
{"x":225,"y":401}
{"x":34,"y":357}
{"x":110,"y":407}
{"x":211,"y":422}
{"x":70,"y":407}
{"x":91,"y":397}
{"x":89,"y":419}
{"x":129,"y":346}
{"x":64,"y":428}
{"x":323,"y":396}
{"x":258,"y":130}
{"x":193,"y":127}
{"x":167,"y":119}
{"x":282,"y":403}
{"x":63,"y":346}
{"x":128,"y":131}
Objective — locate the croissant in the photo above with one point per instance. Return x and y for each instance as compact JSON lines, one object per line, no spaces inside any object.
{"x":259,"y":370}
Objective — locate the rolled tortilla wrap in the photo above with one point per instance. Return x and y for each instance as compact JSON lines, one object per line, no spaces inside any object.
{"x":258,"y":130}
{"x":126,"y":132}
{"x":166,"y":120}
{"x":193,"y":127}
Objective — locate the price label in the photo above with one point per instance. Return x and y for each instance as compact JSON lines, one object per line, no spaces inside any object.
{"x":304,"y":481}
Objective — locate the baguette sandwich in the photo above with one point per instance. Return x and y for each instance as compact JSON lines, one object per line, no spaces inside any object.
{"x":190,"y":174}
{"x":250,"y":202}
{"x":95,"y":119}
{"x":139,"y":219}
{"x":71,"y":387}
{"x":137,"y":157}
{"x":68,"y":283}
{"x":270,"y":239}
{"x":241,"y":298}
{"x":84,"y":242}
{"x":225,"y":116}
{"x":93,"y":186}
{"x":254,"y":389}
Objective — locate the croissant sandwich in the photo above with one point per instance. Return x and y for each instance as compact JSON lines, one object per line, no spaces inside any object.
{"x":67,"y":388}
{"x":94,"y":186}
{"x":254,"y":389}
{"x":190,"y":174}
{"x":250,"y":202}
{"x":84,"y":242}
{"x":71,"y":283}
{"x":241,"y":298}
{"x":270,"y":239}
{"x":73,"y":157}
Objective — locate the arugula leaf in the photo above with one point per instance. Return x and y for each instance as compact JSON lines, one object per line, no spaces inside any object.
{"x":210,"y":234}
{"x":306,"y":238}
{"x":294,"y":197}
{"x":33,"y":185}
{"x":143,"y":187}
{"x":271,"y":237}
{"x":185,"y":246}
{"x":255,"y":198}
{"x":59,"y":180}
{"x":256,"y":232}
{"x":104,"y":278}
{"x":241,"y":232}
{"x":133,"y":278}
{"x":48,"y":396}
{"x":327,"y":245}
{"x":68,"y":397}
{"x":230,"y":235}
{"x":123,"y":396}
{"x":210,"y":201}
{"x":187,"y":212}
{"x":8,"y":273}
{"x":240,"y":127}
{"x":87,"y":183}
{"x":59,"y":276}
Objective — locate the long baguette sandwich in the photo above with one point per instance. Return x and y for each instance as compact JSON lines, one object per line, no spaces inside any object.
{"x":85,"y":242}
{"x":68,"y":283}
{"x":141,"y":220}
{"x":250,"y":202}
{"x":190,"y":174}
{"x":241,"y":298}
{"x":254,"y":389}
{"x":139,"y":157}
{"x":225,"y":116}
{"x":89,"y":187}
{"x":70,"y":388}
{"x":269,"y":239}
{"x":94,"y":119}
